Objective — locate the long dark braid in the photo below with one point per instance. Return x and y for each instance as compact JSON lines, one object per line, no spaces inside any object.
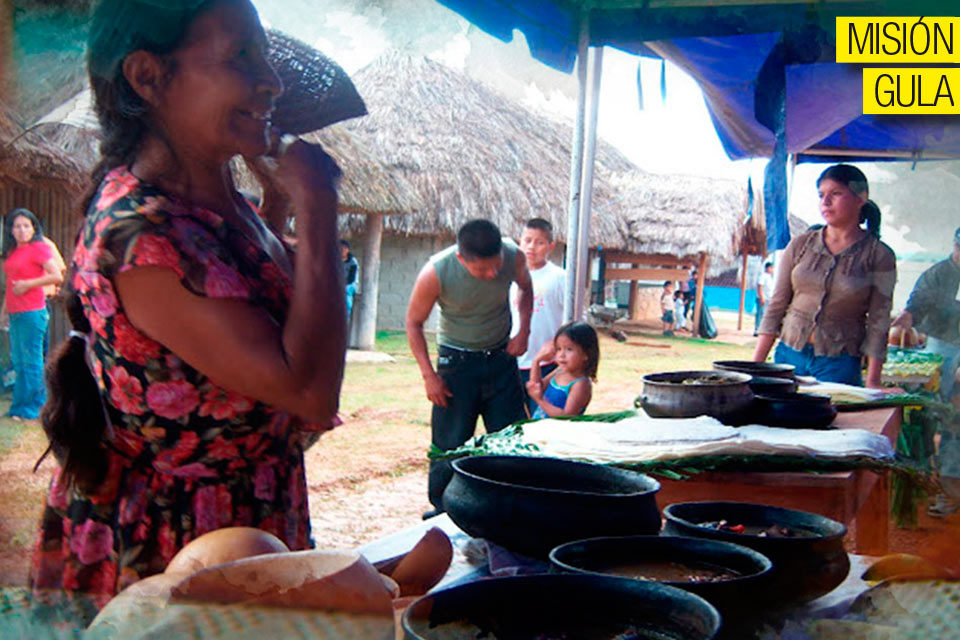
{"x":74,"y":418}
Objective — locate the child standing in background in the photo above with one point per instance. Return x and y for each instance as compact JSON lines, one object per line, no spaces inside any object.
{"x":566,"y":391}
{"x":549,"y":288}
{"x":666,"y":307}
{"x":679,"y":320}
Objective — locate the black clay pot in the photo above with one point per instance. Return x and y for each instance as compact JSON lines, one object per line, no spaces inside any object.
{"x":734,"y":597}
{"x":530,"y":505}
{"x":804,"y":567}
{"x":793,"y":410}
{"x":726,"y":397}
{"x":764,"y":385}
{"x":570,"y":606}
{"x":765,"y":369}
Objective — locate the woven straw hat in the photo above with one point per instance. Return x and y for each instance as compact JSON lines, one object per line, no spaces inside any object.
{"x":316,"y":91}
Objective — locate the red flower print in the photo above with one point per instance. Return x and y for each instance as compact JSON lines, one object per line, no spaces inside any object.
{"x":129,"y":443}
{"x":173,"y":399}
{"x":126,"y":392}
{"x":212,"y":508}
{"x":222,"y":449}
{"x":98,"y":324}
{"x":134,"y":502}
{"x":101,"y":226}
{"x":185,"y":446}
{"x":156,"y":251}
{"x":153,"y":434}
{"x":223,"y":404}
{"x":296,"y":486}
{"x":59,"y":491}
{"x":167,"y":542}
{"x":47,"y":570}
{"x":116,"y":185}
{"x":92,"y":541}
{"x":131,"y":344}
{"x":223,"y":282}
{"x":107,"y":492}
{"x":274,"y":279}
{"x":70,"y":571}
{"x":152,"y":206}
{"x":264,"y":482}
{"x":104,"y":305}
{"x":192,"y":471}
{"x":255,"y":445}
{"x":105,"y":578}
{"x":141,"y":531}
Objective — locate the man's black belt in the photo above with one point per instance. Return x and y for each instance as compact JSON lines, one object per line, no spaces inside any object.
{"x":464,"y":354}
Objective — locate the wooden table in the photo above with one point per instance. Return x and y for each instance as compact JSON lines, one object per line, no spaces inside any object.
{"x":862,"y":496}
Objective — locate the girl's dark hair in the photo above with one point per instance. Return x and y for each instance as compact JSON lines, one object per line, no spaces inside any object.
{"x":9,"y":242}
{"x":585,"y":337}
{"x":74,"y":418}
{"x":853,"y":178}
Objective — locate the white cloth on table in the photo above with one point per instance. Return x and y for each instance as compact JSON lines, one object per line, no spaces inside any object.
{"x":832,"y":388}
{"x":645,"y":439}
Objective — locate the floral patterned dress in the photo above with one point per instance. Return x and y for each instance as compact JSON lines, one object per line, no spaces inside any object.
{"x":186,"y":456}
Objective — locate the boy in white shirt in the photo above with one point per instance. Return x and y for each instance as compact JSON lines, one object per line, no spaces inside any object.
{"x":549,"y":288}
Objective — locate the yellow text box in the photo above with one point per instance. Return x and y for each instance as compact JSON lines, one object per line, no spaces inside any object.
{"x":911,"y":91}
{"x":887,"y":40}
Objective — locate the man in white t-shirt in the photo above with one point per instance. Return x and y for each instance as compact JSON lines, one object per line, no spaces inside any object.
{"x":764,"y":293}
{"x":549,"y":288}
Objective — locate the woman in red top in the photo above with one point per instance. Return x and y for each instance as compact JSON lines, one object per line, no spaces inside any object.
{"x":29,"y":266}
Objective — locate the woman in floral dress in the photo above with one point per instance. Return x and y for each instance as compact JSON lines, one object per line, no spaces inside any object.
{"x":215,"y":352}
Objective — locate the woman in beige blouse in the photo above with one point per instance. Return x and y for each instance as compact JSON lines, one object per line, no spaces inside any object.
{"x":831,"y":304}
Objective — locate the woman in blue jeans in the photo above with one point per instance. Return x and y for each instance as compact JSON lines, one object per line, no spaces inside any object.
{"x":834,"y":289}
{"x":28,"y":266}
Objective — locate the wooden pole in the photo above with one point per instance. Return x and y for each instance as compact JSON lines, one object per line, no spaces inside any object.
{"x":701,"y":278}
{"x":370,"y":282}
{"x":633,"y":296}
{"x":743,"y":291}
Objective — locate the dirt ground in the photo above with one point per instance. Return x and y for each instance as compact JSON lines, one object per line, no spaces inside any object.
{"x":368,"y":477}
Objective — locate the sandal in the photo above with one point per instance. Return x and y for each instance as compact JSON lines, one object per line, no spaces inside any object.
{"x":943,"y":507}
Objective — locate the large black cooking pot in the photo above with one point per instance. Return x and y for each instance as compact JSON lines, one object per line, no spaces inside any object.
{"x":766,"y":369}
{"x":723,"y":395}
{"x":734,"y":597}
{"x":804,"y":568}
{"x":793,"y":410}
{"x":569,"y":606}
{"x":531,"y":505}
{"x":761,"y":385}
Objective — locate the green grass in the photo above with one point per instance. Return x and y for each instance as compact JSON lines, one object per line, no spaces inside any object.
{"x":396,"y":389}
{"x":10,"y":431}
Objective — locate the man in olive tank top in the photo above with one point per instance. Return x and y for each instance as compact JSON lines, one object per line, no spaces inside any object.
{"x":476,"y":372}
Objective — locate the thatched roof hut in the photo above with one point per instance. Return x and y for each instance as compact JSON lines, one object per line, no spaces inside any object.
{"x":26,"y":158}
{"x":468,"y":151}
{"x":674,"y":215}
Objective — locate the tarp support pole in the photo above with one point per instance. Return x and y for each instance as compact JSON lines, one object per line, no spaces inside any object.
{"x":574,"y":298}
{"x":698,"y":301}
{"x":586,"y":188}
{"x":370,"y":282}
{"x":743,"y":291}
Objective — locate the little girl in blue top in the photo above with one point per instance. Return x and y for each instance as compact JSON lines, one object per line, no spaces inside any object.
{"x":568,"y":389}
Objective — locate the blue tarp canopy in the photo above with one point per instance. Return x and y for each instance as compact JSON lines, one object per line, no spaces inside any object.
{"x":823,"y":104}
{"x":766,"y":68}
